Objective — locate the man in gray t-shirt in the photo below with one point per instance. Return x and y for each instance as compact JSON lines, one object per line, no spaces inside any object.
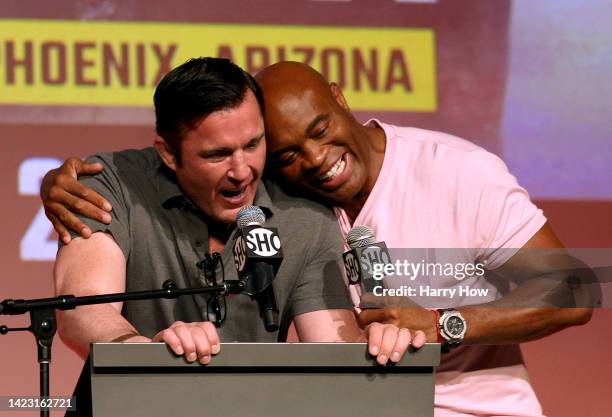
{"x":177,"y":202}
{"x":163,"y":235}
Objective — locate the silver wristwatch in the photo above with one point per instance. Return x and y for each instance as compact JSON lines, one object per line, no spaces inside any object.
{"x":452,"y":327}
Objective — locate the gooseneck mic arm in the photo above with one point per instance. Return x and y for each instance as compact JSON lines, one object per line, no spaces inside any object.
{"x":69,"y":302}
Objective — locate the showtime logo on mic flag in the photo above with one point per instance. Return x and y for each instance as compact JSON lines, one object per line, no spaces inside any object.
{"x":362,"y":263}
{"x":256,"y":242}
{"x":264,"y":242}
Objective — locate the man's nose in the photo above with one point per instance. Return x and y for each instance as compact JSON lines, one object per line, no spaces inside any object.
{"x":239,"y":169}
{"x":312,"y":156}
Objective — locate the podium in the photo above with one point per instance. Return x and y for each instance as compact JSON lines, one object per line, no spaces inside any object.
{"x":260,"y":379}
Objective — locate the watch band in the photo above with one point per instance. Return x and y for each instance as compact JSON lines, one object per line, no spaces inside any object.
{"x":437,"y":321}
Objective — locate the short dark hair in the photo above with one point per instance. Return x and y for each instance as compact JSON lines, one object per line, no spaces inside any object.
{"x":194,"y":90}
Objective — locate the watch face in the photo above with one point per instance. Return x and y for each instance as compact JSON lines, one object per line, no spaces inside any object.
{"x":454,"y":326}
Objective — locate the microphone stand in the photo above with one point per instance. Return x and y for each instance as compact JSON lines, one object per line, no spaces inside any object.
{"x":44,"y":326}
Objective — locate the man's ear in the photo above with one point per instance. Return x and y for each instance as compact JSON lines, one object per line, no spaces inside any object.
{"x":165,"y":152}
{"x":338,"y":96}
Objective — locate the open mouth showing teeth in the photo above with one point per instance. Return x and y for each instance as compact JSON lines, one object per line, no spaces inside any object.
{"x":334,"y":171}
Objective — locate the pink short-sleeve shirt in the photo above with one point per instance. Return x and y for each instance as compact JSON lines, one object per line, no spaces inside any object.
{"x":439,"y":191}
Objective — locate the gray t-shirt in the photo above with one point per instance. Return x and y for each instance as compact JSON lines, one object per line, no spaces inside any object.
{"x":163,"y":236}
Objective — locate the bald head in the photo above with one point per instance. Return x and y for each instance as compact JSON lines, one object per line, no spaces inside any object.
{"x":291,"y":78}
{"x":293,"y":90}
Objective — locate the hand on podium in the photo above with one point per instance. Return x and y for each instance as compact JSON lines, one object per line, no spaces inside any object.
{"x":197,"y":340}
{"x":389,"y":342}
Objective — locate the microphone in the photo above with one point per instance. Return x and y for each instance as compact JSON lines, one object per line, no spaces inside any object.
{"x":258,"y":255}
{"x":365,"y":261}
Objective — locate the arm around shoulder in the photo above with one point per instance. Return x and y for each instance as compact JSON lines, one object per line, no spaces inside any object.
{"x":63,"y":196}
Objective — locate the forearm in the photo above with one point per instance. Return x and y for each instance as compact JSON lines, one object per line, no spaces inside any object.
{"x":551,"y":295}
{"x":328,"y":326}
{"x":90,"y":324}
{"x":498,"y":325}
{"x":544,"y":303}
{"x":499,"y":322}
{"x":385,"y":342}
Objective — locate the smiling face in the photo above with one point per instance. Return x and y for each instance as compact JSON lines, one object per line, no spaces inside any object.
{"x":313,"y":140}
{"x":222,"y":160}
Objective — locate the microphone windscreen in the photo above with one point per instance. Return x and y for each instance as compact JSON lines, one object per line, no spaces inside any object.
{"x":250,"y":216}
{"x":360,"y":236}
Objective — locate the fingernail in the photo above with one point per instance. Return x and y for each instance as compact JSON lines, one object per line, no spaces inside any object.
{"x":179,"y":350}
{"x":192,"y":357}
{"x":106,"y":206}
{"x":107,"y":218}
{"x":382,"y":359}
{"x":215,"y":349}
{"x":66,"y":239}
{"x":395,"y":356}
{"x":375,"y":350}
{"x":205,"y":359}
{"x":85,"y":231}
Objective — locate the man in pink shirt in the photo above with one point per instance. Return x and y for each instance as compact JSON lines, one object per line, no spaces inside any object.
{"x":422,"y":189}
{"x":418,"y":189}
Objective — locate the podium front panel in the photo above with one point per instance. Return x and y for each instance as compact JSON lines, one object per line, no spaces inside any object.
{"x":258,"y":379}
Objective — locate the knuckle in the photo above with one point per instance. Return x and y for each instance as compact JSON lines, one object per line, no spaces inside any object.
{"x":63,"y":217}
{"x":61,"y":179}
{"x":167,"y":333}
{"x":53,"y":193}
{"x":211,"y":331}
{"x":404,"y":341}
{"x":204,"y":348}
{"x":65,"y":167}
{"x":188,"y":347}
{"x":73,"y":161}
{"x":208,"y":326}
{"x":162,"y":335}
{"x":79,"y":205}
{"x":375,"y":329}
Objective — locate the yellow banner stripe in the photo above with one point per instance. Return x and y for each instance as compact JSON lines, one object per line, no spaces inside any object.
{"x":50,"y":62}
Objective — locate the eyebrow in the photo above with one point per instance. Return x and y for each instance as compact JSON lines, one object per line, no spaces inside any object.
{"x":226,"y":150}
{"x":279,"y":152}
{"x":256,"y":138}
{"x":316,"y":121}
